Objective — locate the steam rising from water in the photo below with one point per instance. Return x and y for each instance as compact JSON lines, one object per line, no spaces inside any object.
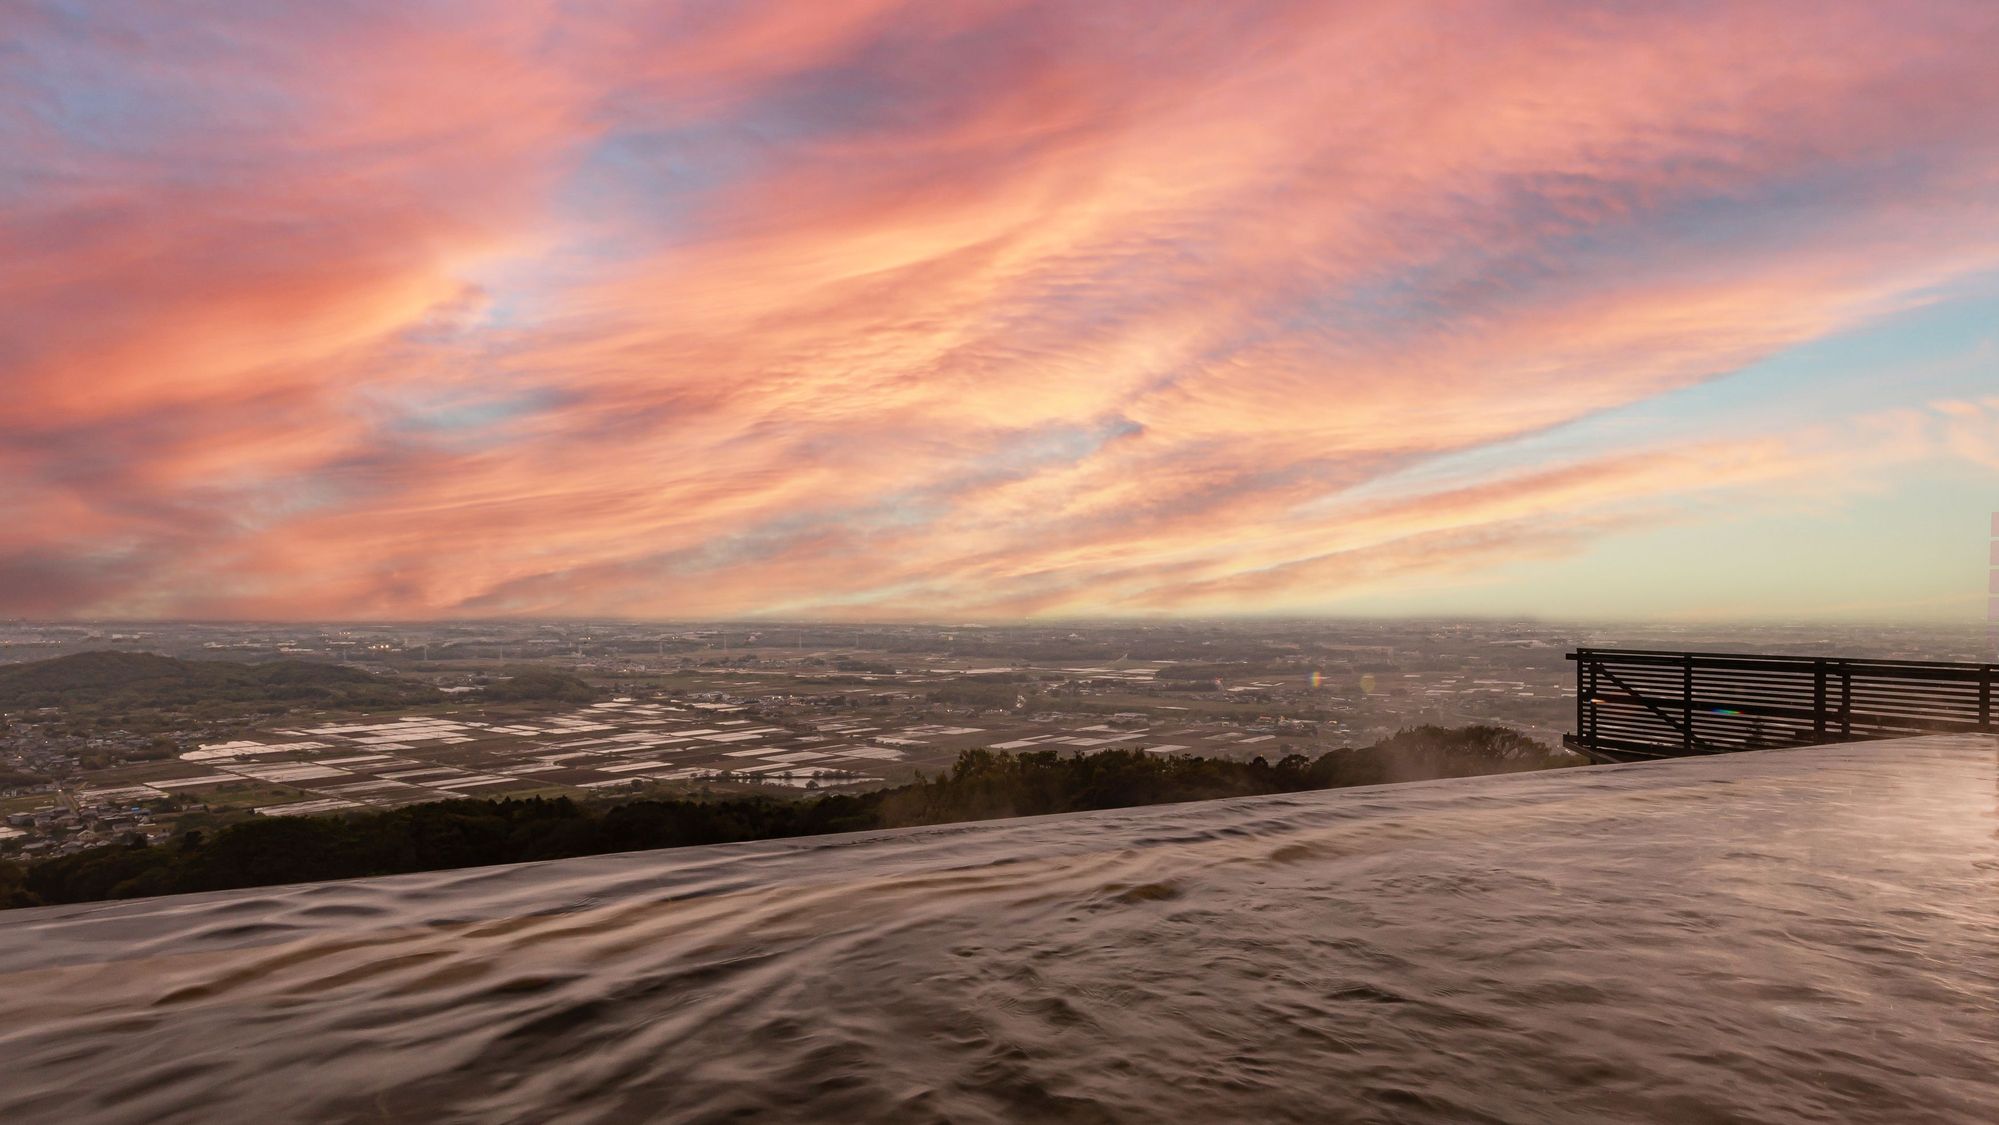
{"x":1785,"y":936}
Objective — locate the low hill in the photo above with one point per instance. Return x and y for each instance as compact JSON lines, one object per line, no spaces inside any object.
{"x":540,"y":685}
{"x":134,"y":682}
{"x":1427,"y":752}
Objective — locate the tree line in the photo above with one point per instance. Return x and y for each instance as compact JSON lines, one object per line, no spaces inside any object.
{"x":981,"y":785}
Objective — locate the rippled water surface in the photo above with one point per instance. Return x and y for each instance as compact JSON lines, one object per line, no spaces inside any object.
{"x":1803,"y":935}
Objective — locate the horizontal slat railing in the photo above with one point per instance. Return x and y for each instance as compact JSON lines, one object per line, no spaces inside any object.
{"x":1636,"y":704}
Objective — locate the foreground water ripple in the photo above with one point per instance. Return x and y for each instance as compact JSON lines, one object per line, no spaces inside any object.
{"x":1788,"y":936}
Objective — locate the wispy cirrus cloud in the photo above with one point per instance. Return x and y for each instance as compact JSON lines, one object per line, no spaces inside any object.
{"x":880,"y":308}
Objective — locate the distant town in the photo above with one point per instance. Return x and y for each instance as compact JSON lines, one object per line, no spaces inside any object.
{"x":725,"y":709}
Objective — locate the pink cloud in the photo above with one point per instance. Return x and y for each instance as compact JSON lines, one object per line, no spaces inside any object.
{"x":895,"y":308}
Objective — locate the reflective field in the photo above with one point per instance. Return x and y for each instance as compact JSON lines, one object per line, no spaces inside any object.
{"x":1787,"y":936}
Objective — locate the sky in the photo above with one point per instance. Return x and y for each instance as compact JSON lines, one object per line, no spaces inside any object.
{"x":998,"y":309}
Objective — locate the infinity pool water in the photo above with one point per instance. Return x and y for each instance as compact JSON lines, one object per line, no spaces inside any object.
{"x":1787,"y":936}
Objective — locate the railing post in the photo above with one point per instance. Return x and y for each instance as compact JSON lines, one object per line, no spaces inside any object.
{"x":1595,"y":668}
{"x":1595,"y":700}
{"x":1582,"y":699}
{"x":1845,"y":700}
{"x":1687,"y":703}
{"x":1818,"y":699}
{"x":1985,"y":696}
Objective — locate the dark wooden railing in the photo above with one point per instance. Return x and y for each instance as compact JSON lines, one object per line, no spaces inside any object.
{"x":1635,"y":705}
